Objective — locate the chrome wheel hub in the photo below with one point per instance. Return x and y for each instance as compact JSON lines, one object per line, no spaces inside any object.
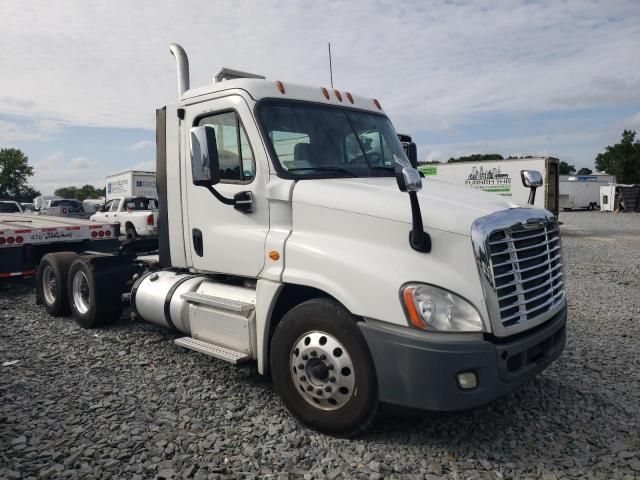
{"x":49,"y":285}
{"x":81,"y":297}
{"x":322,"y":370}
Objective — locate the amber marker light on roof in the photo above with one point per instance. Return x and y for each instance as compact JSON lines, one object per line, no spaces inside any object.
{"x":349,"y":97}
{"x":280,"y":86}
{"x":377,"y":104}
{"x":325,"y":92}
{"x":338,"y":95}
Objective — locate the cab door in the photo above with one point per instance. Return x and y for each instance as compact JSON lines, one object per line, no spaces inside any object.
{"x":223,"y":239}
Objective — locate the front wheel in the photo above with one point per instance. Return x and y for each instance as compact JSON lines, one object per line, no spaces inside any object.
{"x":322,"y":368}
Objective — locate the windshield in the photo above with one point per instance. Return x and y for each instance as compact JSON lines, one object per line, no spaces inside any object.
{"x":320,"y":141}
{"x":140,"y":203}
{"x":9,"y":207}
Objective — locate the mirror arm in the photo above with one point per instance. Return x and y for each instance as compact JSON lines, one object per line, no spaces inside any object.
{"x":241,"y":201}
{"x":532,"y":196}
{"x":225,"y":200}
{"x":419,"y":240}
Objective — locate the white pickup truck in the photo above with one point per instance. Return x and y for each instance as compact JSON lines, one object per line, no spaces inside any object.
{"x":137,"y":216}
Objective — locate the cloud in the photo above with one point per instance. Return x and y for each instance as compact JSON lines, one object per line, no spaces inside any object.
{"x":633,"y":122}
{"x":58,"y":170}
{"x":149,"y":166}
{"x":142,"y":144}
{"x":39,"y":130}
{"x":430,"y":63}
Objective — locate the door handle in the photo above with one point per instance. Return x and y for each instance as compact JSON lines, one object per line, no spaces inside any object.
{"x":198,"y":247}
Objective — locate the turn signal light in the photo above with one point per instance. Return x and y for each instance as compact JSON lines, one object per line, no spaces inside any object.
{"x":280,"y":86}
{"x":2,"y":241}
{"x":414,"y":316}
{"x":150,"y":219}
{"x":94,"y":234}
{"x":273,"y":255}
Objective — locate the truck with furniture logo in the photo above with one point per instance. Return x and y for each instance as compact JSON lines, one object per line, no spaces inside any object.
{"x":295,"y":232}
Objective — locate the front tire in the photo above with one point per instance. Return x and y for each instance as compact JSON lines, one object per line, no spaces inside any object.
{"x":51,"y":282}
{"x":88,"y":306}
{"x":322,"y":369}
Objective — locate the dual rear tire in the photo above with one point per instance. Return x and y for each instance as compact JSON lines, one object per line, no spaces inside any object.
{"x":66,"y":284}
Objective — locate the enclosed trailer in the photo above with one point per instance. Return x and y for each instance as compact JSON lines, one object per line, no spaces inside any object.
{"x":132,"y":183}
{"x":578,"y":192}
{"x":502,"y":177}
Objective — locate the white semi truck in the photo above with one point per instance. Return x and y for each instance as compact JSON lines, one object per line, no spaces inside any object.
{"x":325,"y":262}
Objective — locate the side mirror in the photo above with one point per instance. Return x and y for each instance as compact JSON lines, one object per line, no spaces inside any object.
{"x":531,"y":179}
{"x":205,"y":166}
{"x":409,"y":181}
{"x":408,"y":178}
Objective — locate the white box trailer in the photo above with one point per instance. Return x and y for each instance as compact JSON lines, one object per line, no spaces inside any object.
{"x":502,"y":177}
{"x":578,"y":192}
{"x":132,"y":183}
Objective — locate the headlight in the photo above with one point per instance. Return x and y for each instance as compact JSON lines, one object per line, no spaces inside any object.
{"x":432,"y":308}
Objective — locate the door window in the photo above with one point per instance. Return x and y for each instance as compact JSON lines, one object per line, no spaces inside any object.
{"x":107,"y":206}
{"x":237,"y":164}
{"x":116,"y":204}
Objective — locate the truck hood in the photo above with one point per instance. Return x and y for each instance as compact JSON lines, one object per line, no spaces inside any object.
{"x":444,"y":206}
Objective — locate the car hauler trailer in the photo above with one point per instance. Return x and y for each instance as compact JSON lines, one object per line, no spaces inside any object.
{"x":25,"y":239}
{"x":330,"y":268}
{"x":502,"y":177}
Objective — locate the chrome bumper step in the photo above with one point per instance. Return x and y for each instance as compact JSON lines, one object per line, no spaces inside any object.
{"x":215,"y":351}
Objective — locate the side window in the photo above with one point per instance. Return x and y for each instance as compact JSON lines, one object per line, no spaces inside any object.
{"x":107,"y":206}
{"x":116,"y":204}
{"x":237,"y":164}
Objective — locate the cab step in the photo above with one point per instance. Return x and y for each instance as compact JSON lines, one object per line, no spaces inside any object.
{"x":218,"y":302}
{"x":216,"y":351}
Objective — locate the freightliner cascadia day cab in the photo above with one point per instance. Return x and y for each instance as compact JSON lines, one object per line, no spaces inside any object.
{"x":289,"y":237}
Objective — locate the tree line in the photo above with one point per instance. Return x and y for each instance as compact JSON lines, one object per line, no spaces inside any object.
{"x":621,"y":159}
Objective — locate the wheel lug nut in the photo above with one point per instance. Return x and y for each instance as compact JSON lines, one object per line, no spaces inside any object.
{"x":332,"y":379}
{"x":309,"y":388}
{"x":327,"y":389}
{"x":330,"y":367}
{"x":303,"y":378}
{"x":301,"y":366}
{"x":319,"y":392}
{"x":305,"y":357}
{"x":323,"y":357}
{"x":313,"y":353}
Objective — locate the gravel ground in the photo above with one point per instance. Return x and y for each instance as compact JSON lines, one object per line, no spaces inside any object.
{"x":124,"y":402}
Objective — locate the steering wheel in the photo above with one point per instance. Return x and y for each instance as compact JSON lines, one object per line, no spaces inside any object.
{"x":374,"y":157}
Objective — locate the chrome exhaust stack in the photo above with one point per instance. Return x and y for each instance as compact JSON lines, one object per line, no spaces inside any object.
{"x":182,"y":63}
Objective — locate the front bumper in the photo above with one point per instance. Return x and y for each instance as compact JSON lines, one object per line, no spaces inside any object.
{"x":416,"y":369}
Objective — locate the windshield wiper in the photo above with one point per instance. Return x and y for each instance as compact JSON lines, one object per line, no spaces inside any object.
{"x":326,"y":169}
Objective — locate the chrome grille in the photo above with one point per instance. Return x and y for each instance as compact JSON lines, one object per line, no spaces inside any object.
{"x":519,"y":255}
{"x":527,"y":271}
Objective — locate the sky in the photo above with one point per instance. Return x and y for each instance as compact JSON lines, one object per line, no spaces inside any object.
{"x":80,"y":81}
